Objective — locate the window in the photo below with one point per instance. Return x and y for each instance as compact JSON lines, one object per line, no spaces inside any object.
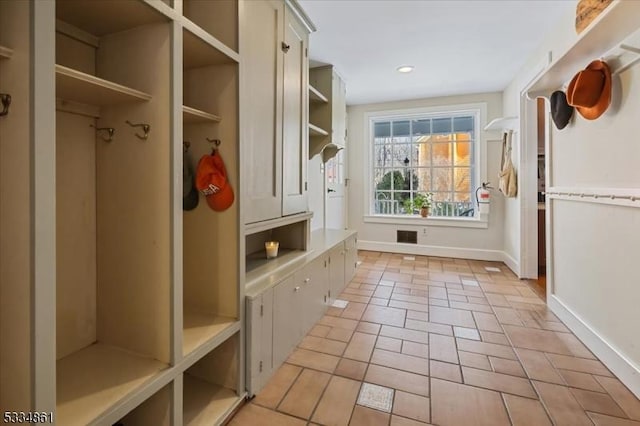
{"x":426,"y":153}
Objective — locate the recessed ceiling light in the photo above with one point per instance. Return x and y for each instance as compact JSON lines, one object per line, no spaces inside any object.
{"x":405,"y":68}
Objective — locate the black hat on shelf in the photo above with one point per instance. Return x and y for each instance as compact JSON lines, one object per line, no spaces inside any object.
{"x":561,"y":111}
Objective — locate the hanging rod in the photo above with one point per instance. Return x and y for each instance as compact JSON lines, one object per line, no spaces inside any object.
{"x":595,"y":196}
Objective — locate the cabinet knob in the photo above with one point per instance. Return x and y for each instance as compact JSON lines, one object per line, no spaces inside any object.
{"x":297,"y":288}
{"x":306,"y":280}
{"x":285,"y":47}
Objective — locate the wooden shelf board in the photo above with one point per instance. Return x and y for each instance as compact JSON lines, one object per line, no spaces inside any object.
{"x":200,"y":328}
{"x":254,"y":228}
{"x":96,"y":378}
{"x":192,"y":115}
{"x":317,"y":131}
{"x":200,"y":49}
{"x":206,"y":403}
{"x":259,"y":259}
{"x":76,"y":86}
{"x":5,"y":52}
{"x":316,"y":96}
{"x":102,"y":17}
{"x":617,"y":22}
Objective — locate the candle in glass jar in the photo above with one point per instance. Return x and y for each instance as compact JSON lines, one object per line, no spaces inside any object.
{"x":272,"y":249}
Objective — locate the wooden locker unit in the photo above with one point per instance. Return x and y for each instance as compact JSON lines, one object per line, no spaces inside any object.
{"x":15,"y":210}
{"x":210,"y":238}
{"x":113,"y":217}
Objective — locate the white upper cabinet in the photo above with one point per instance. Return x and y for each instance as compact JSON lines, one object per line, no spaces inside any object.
{"x":273,"y":85}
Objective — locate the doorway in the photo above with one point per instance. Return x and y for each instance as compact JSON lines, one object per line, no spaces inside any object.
{"x":335,"y":202}
{"x":542,"y":118}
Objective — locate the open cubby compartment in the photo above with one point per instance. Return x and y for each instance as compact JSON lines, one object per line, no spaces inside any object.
{"x":210,"y":238}
{"x":113,"y":212}
{"x":156,"y":410}
{"x":16,"y":207}
{"x":82,"y":27}
{"x":218,"y":18}
{"x":210,"y":386}
{"x":293,"y":240}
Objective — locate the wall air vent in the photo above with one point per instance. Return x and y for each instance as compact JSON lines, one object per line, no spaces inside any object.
{"x":409,"y":237}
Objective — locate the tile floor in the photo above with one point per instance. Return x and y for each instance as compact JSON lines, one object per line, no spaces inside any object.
{"x":444,"y":342}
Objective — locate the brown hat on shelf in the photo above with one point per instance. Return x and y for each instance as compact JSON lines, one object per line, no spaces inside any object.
{"x":212,"y":182}
{"x":561,"y":111}
{"x":590,"y":90}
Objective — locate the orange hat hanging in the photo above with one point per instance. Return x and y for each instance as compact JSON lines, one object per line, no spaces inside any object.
{"x":212,"y":182}
{"x":590,"y":90}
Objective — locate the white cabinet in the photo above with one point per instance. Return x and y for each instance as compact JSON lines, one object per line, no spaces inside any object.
{"x":287,"y":307}
{"x":294,"y":116}
{"x":260,"y":339}
{"x":336,"y":272}
{"x":313,"y":280}
{"x":273,"y":83}
{"x":351,"y":258}
{"x":261,"y":86}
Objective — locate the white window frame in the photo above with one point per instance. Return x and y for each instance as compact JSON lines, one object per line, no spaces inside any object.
{"x":479,"y":109}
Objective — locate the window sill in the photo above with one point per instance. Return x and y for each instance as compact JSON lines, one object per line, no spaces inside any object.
{"x":428,"y":221}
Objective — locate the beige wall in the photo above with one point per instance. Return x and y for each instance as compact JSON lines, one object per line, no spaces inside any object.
{"x":593,"y":283}
{"x":445,"y":240}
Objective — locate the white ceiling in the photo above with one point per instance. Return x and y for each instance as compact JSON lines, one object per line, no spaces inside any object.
{"x":457,"y":46}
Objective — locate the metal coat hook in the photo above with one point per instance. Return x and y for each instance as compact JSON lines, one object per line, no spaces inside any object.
{"x":186,"y":145}
{"x":216,"y":142}
{"x":146,"y":128}
{"x":6,"y":101}
{"x":109,"y":130}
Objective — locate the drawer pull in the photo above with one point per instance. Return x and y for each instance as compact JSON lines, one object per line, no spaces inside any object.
{"x":297,"y":288}
{"x":306,"y":280}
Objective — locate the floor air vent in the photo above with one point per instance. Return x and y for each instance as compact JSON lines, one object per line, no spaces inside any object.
{"x":409,"y":237}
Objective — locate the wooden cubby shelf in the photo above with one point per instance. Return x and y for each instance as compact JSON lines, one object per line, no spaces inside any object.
{"x":316,"y":96}
{"x":201,"y":50}
{"x":200,"y":328}
{"x":317,"y":131}
{"x":5,"y":52}
{"x":210,"y":385}
{"x":204,"y":400}
{"x":192,"y":115}
{"x":76,"y":86}
{"x":93,"y":380}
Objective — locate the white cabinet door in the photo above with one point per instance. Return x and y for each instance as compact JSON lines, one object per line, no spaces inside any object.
{"x":351,"y":258}
{"x":336,"y":272}
{"x":259,"y":341}
{"x":313,"y":277}
{"x":261,"y":116}
{"x":287,"y":328}
{"x":294,"y":119}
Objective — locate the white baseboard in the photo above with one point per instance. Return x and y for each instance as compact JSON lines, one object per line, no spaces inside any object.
{"x":511,"y":263}
{"x":623,"y":368}
{"x":422,"y":250}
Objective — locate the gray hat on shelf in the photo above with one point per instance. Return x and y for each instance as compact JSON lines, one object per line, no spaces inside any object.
{"x":189,"y":191}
